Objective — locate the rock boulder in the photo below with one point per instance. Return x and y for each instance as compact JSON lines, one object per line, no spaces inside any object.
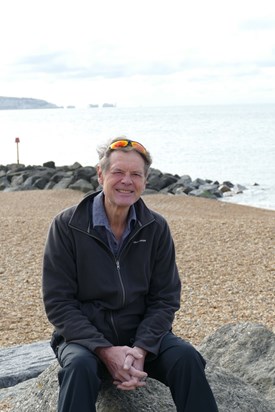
{"x":240,"y":370}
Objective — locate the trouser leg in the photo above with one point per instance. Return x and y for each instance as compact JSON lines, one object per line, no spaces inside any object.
{"x":78,"y":379}
{"x":181,"y":367}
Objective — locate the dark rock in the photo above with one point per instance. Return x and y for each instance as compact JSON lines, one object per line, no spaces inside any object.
{"x":49,"y":164}
{"x":198,"y":182}
{"x":4,"y":183}
{"x":75,"y":166}
{"x":28,"y":183}
{"x":58,"y":176}
{"x":224,"y":188}
{"x":181,"y":191}
{"x":64,"y":183}
{"x":228,"y":184}
{"x":94,"y":182}
{"x":41,"y":182}
{"x":184,"y":180}
{"x":202,"y":193}
{"x":160,"y":182}
{"x":212,"y":188}
{"x":18,"y":177}
{"x":82,"y":185}
{"x":16,"y":167}
{"x":50,"y":185}
{"x":85,"y":173}
{"x":176,"y":188}
{"x":154,"y":173}
{"x":3,"y":170}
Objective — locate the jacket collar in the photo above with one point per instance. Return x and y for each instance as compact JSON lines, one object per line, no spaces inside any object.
{"x":81,"y":217}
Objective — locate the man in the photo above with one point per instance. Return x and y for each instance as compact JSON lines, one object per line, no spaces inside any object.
{"x":111,"y":288}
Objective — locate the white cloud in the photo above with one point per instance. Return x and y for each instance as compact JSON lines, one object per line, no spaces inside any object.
{"x":156,"y":52}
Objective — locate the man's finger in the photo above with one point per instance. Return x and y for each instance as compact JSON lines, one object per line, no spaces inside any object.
{"x":130,"y":385}
{"x":128,"y":362}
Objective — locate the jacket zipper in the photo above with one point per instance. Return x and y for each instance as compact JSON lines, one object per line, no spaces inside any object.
{"x":123,"y":300}
{"x":121,"y":282}
{"x":118,"y":271}
{"x":118,"y":264}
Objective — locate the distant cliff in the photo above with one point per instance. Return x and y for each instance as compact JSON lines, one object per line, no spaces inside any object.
{"x":15,"y":103}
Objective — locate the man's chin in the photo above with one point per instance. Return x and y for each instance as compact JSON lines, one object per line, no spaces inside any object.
{"x":126,"y":200}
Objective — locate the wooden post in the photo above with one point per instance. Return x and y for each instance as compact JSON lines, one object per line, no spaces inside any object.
{"x":17,"y":141}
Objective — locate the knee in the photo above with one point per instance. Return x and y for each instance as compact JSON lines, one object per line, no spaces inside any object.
{"x":188,"y":357}
{"x":79,"y":371}
{"x":81,"y":363}
{"x":78,"y":361}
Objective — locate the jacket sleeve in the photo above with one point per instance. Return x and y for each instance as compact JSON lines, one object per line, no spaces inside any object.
{"x":163,"y":298}
{"x":59,"y":287}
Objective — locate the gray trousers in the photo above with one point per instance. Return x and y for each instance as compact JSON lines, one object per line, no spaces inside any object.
{"x":178,"y":365}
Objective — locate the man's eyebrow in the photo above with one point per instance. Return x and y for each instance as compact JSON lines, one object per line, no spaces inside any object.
{"x":119,"y":169}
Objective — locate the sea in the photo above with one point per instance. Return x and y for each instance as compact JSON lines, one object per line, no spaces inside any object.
{"x":233,"y":143}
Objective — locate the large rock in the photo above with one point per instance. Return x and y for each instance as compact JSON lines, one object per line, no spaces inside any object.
{"x":22,"y":362}
{"x":42,"y":396}
{"x":247,"y":350}
{"x":232,"y":395}
{"x":240,"y":370}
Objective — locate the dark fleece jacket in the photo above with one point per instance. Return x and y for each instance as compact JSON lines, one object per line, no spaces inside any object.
{"x":96,"y":299}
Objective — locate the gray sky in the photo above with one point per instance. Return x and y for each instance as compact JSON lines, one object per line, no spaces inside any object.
{"x":145,"y":52}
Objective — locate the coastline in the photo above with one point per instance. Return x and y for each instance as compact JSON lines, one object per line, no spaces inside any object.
{"x":260,"y":196}
{"x":225,"y":256}
{"x":18,"y":177}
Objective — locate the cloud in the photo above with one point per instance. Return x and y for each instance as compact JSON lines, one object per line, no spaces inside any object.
{"x":258,"y":24}
{"x":156,"y":49}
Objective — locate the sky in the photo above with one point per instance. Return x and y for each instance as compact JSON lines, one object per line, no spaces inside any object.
{"x":138,"y":53}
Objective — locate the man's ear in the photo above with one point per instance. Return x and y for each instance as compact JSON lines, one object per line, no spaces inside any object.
{"x":99,"y":175}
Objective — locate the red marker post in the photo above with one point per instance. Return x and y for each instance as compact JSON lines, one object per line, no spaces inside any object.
{"x":17,"y":141}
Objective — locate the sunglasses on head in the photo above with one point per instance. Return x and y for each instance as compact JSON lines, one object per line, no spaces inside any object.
{"x":125,"y":142}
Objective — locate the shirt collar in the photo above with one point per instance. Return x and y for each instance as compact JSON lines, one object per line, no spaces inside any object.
{"x":100,"y":217}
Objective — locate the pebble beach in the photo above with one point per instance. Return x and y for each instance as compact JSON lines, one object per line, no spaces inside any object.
{"x":225,"y":256}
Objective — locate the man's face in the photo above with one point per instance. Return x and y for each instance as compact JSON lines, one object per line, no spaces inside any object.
{"x":125,"y":180}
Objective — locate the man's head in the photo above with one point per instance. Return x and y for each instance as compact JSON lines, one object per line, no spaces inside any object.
{"x":125,"y":145}
{"x":122,"y":171}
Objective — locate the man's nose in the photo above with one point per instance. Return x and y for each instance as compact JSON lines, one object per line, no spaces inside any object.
{"x":127,"y":179}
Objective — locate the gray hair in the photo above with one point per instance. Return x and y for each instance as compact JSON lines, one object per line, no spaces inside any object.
{"x":104,"y":153}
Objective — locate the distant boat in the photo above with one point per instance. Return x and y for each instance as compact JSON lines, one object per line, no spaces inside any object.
{"x":70,"y":107}
{"x":108,"y":105}
{"x":92,"y":106}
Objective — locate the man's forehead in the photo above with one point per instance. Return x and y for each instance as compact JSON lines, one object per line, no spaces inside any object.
{"x":127,"y":158}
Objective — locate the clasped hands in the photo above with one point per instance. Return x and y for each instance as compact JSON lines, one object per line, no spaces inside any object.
{"x":125,"y":364}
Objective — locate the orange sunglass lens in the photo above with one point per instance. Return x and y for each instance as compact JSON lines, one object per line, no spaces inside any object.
{"x":119,"y":143}
{"x":139,"y":147}
{"x":124,"y":143}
